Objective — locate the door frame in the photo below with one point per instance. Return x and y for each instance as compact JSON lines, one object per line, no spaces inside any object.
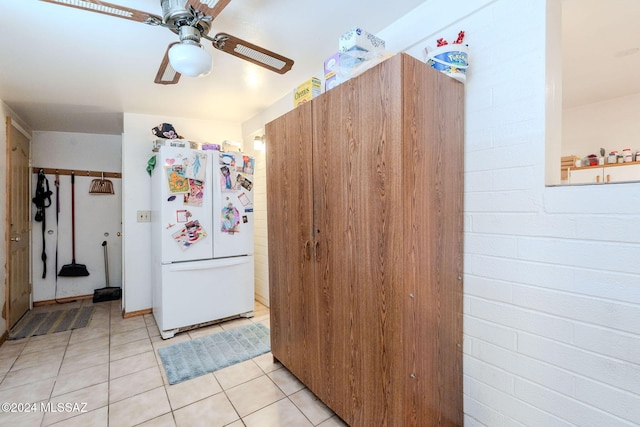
{"x":11,"y":122}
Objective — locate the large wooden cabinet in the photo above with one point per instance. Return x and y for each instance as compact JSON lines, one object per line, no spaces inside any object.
{"x":364,"y":193}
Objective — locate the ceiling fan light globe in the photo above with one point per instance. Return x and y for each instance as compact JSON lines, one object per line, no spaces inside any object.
{"x":190,"y":59}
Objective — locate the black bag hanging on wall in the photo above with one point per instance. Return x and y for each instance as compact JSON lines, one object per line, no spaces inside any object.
{"x":42,"y":201}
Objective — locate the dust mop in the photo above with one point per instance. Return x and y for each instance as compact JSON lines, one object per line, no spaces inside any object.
{"x":107,"y":293}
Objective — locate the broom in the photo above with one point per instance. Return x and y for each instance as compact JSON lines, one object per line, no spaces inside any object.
{"x":74,"y":269}
{"x":107,"y":293}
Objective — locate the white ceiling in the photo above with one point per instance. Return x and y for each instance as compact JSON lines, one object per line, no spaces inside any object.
{"x":63,"y":69}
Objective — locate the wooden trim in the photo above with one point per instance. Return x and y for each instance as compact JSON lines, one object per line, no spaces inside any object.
{"x":19,"y":128}
{"x":61,"y":300}
{"x":95,"y":174}
{"x":126,"y":315}
{"x":7,"y":225}
{"x":606,"y":165}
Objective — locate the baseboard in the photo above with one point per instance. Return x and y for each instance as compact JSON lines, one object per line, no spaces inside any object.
{"x":126,"y":315}
{"x":4,"y":337}
{"x":61,"y":300}
{"x":262,"y":300}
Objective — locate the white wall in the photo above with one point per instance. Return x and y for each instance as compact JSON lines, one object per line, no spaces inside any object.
{"x":98,"y":217}
{"x":251,"y":128}
{"x":552,"y":278}
{"x":260,"y":261}
{"x":611,"y":124}
{"x":136,"y":151}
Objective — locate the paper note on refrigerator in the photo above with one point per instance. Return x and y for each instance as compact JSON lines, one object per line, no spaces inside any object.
{"x":227,"y":179}
{"x":196,"y":166}
{"x":196,"y":193}
{"x":188,"y":235}
{"x":244,"y":199}
{"x":248,"y":165}
{"x":230,"y":219}
{"x":178,"y":181}
{"x":243,"y":182}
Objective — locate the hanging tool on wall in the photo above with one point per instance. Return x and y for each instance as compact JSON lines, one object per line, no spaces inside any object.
{"x":42,"y":200}
{"x":101,"y":186}
{"x":74,"y":269}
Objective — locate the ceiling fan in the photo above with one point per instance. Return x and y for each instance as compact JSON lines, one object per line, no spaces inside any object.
{"x":191,"y":21}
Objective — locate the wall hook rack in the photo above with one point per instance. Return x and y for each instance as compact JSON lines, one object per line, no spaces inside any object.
{"x":95,"y":174}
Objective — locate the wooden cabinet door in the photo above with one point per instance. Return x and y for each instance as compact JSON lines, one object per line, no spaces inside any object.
{"x":358,"y":203}
{"x":290,"y":239}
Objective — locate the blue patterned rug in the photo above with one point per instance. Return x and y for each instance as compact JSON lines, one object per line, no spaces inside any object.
{"x":190,"y":359}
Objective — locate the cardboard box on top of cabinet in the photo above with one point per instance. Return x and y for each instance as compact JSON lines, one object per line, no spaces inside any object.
{"x":338,"y":68}
{"x":181,"y":143}
{"x":307,"y":91}
{"x":361,"y":44}
{"x":358,"y":50}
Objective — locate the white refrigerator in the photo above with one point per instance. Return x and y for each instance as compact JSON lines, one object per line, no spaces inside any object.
{"x":202,"y":237}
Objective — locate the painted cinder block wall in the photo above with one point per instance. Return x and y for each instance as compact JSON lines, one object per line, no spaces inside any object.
{"x":552,"y":278}
{"x":551,"y":274}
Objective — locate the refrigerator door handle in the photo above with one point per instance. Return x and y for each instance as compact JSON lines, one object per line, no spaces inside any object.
{"x":208,"y":264}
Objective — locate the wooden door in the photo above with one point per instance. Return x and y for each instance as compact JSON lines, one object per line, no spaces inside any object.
{"x":290,"y":240}
{"x":18,"y":221}
{"x":358,"y":194}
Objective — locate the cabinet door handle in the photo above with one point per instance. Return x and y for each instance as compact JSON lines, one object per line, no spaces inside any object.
{"x":608,"y":178}
{"x":307,"y":250}
{"x":316,"y":250}
{"x":597,"y":178}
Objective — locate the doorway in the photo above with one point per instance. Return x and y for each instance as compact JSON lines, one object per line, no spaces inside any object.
{"x":18,"y":284}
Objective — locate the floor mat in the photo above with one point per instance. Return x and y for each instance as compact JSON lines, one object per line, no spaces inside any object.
{"x":200,"y":356}
{"x":43,"y":322}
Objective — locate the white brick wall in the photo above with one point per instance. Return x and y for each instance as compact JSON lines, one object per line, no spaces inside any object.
{"x":551,"y":274}
{"x":261,"y":264}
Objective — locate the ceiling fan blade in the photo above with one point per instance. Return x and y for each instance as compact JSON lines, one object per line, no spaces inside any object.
{"x":252,"y":53}
{"x":209,"y":7}
{"x":166,"y":74}
{"x":110,"y":9}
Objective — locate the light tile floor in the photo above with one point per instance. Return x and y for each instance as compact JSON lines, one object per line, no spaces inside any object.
{"x":109,"y":374}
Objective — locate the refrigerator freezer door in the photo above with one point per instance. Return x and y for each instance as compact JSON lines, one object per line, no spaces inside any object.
{"x":233,"y":205}
{"x":192,"y":293}
{"x":181,"y":204}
